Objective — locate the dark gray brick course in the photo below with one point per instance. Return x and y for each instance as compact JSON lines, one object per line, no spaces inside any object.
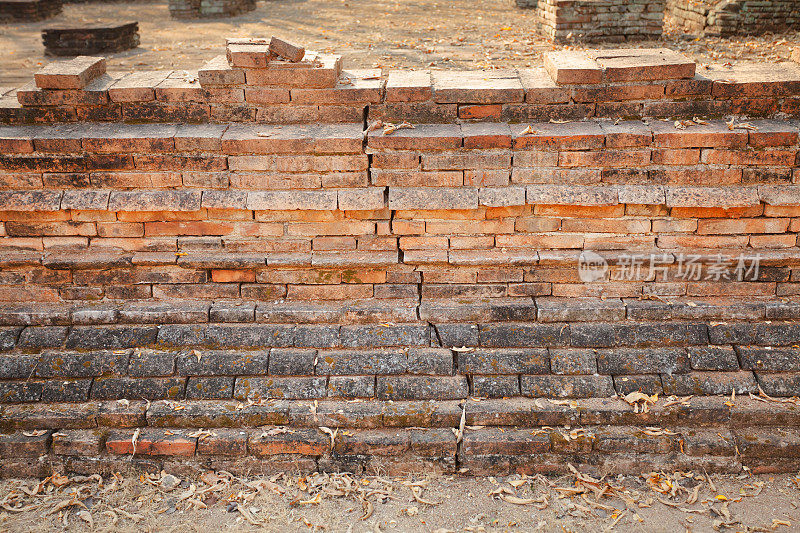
{"x":138,"y":388}
{"x":290,"y":388}
{"x":149,"y":363}
{"x":204,"y":362}
{"x":495,"y":386}
{"x":351,"y":387}
{"x":61,"y":364}
{"x":567,"y":386}
{"x":642,"y":361}
{"x":292,"y":361}
{"x":354,"y":362}
{"x":524,"y":335}
{"x":422,"y":387}
{"x":110,"y":337}
{"x":209,"y":388}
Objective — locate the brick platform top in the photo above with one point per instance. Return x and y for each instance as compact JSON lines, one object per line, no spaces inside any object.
{"x":253,"y":83}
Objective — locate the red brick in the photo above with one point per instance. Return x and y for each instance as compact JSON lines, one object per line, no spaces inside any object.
{"x":477,"y":87}
{"x":742,"y":225}
{"x":395,"y":160}
{"x":414,"y":178}
{"x":329,"y":292}
{"x":137,"y":86}
{"x":589,"y":211}
{"x":685,"y":156}
{"x":286,"y":50}
{"x":611,"y":93}
{"x":569,"y":136}
{"x":482,"y":111}
{"x":486,"y":135}
{"x":408,"y":86}
{"x":698,"y":241}
{"x":716,"y":212}
{"x":232,"y":276}
{"x":422,"y":136}
{"x":788,"y":240}
{"x":605,"y":158}
{"x":755,"y":80}
{"x":715,"y":134}
{"x":73,"y":74}
{"x":151,"y":442}
{"x":540,"y":88}
{"x":570,"y":67}
{"x":750,"y":157}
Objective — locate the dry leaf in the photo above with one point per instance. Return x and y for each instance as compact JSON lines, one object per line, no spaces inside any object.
{"x":331,"y":433}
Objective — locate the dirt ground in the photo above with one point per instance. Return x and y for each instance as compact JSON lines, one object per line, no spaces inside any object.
{"x":345,"y":503}
{"x":441,"y":34}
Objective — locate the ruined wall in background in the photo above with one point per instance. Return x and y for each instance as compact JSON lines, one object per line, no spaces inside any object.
{"x":734,"y":17}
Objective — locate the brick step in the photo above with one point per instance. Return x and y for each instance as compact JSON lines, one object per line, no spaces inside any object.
{"x":109,"y":258}
{"x":599,"y":436}
{"x":257,"y":88}
{"x":593,"y":334}
{"x":401,"y":373}
{"x":545,"y":309}
{"x":740,"y":411}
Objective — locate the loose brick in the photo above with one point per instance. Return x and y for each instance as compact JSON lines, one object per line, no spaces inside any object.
{"x":73,"y":74}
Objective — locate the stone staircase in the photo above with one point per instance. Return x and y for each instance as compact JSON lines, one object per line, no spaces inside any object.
{"x":468,"y":294}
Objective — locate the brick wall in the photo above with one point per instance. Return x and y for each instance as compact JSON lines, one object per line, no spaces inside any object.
{"x":29,"y":10}
{"x":600,"y":20}
{"x":90,"y":39}
{"x":733,"y":17}
{"x":239,"y":273}
{"x":192,"y":9}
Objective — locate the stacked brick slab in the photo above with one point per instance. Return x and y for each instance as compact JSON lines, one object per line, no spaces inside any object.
{"x":600,"y":20}
{"x":90,"y":40}
{"x":28,"y":10}
{"x":733,"y":17}
{"x":194,"y":9}
{"x":239,"y":274}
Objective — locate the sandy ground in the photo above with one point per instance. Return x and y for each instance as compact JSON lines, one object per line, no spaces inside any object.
{"x":343,"y":503}
{"x":442,"y":34}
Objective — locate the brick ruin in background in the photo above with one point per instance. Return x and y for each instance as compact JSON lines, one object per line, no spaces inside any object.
{"x":597,"y":20}
{"x":194,"y":9}
{"x":90,"y":39}
{"x":28,"y":10}
{"x":734,"y":17}
{"x":229,"y":249}
{"x":617,"y":20}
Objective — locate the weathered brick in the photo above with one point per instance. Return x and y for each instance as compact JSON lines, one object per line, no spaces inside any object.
{"x":137,"y":86}
{"x":567,"y":386}
{"x":281,"y":387}
{"x":475,"y":87}
{"x":298,"y":442}
{"x":422,"y":387}
{"x":710,"y":383}
{"x":504,"y":361}
{"x":73,"y":74}
{"x":209,"y":388}
{"x":151,"y":442}
{"x":18,"y":444}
